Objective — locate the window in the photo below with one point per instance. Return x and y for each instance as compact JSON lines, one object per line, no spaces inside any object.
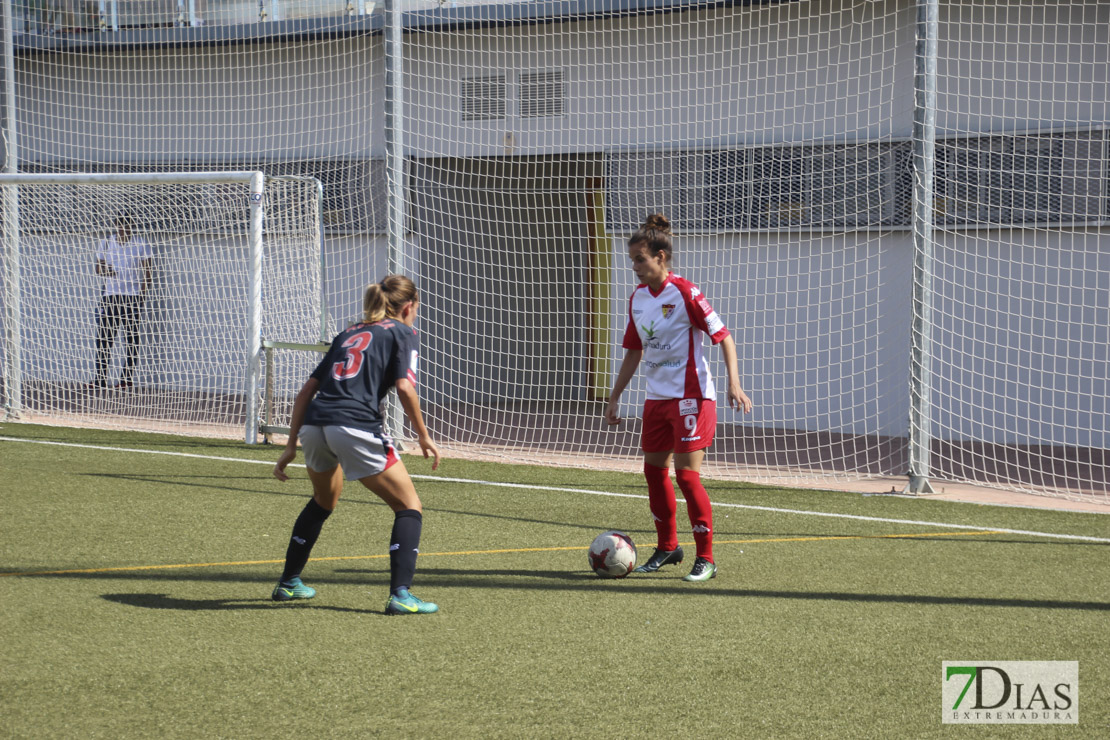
{"x":483,"y":98}
{"x":542,"y":94}
{"x":640,"y":183}
{"x":989,"y":180}
{"x":1039,"y":178}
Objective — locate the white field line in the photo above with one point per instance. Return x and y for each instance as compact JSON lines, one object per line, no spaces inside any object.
{"x":530,"y":487}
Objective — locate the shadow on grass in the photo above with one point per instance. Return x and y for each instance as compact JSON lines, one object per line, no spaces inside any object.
{"x":164,"y":601}
{"x":555,"y":580}
{"x":670,"y":583}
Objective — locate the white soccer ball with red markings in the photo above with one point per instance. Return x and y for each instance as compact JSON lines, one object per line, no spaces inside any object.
{"x":612,"y":555}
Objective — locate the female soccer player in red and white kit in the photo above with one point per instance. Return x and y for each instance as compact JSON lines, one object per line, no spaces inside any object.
{"x":667,"y":314}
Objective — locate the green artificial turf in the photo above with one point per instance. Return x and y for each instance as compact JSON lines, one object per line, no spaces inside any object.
{"x":135,"y":603}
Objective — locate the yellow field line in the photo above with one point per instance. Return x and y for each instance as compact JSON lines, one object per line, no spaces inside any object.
{"x":178,"y":566}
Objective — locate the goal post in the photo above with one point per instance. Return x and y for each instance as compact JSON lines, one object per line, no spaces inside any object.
{"x":227,"y":255}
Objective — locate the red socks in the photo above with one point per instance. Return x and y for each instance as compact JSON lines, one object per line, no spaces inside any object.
{"x":663,"y":506}
{"x":699,"y":509}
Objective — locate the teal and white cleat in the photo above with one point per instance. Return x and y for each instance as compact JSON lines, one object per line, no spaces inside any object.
{"x":292,"y":590}
{"x":703,"y":570}
{"x":405,"y":603}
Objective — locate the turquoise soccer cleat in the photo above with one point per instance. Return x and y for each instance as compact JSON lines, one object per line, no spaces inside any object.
{"x":405,"y":603}
{"x":292,"y":590}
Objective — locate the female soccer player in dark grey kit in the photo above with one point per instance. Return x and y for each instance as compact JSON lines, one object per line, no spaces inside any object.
{"x":337,"y":417}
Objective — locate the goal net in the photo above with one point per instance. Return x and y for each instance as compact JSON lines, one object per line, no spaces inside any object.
{"x":900,"y":208}
{"x":217,"y":263}
{"x":902,"y":218}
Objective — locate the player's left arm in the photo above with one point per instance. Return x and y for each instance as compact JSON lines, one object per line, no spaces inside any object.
{"x":300,"y":407}
{"x":404,"y":372}
{"x":410,"y":402}
{"x":705,"y":318}
{"x":737,"y":398}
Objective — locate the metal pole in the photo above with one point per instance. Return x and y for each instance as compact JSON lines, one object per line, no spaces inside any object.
{"x":395,"y":136}
{"x":77,"y":178}
{"x":394,"y":165}
{"x":924,"y":162}
{"x":13,"y":318}
{"x":254,"y":318}
{"x":325,"y":333}
{"x":11,"y":142}
{"x":268,"y":409}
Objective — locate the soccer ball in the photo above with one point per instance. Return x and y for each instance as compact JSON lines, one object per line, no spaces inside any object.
{"x":612,"y":555}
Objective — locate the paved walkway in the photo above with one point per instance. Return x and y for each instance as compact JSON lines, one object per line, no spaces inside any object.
{"x":981,"y":495}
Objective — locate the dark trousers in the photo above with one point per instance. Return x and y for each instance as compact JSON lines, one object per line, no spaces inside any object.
{"x":117,"y":312}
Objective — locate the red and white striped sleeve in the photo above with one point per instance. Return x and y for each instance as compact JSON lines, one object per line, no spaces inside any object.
{"x":701,"y":313}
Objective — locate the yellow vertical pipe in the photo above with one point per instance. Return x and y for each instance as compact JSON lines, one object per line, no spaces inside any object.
{"x":601,"y":295}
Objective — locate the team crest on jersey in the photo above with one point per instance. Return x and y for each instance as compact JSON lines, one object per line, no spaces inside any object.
{"x":668,"y":309}
{"x":687,"y":406}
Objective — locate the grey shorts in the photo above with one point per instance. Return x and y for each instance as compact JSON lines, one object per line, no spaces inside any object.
{"x":361,"y":453}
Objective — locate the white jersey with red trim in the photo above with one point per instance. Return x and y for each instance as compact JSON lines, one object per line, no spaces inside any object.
{"x":666,"y":326}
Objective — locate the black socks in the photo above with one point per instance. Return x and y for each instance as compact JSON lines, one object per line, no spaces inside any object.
{"x":403,"y":548}
{"x":404,"y":543}
{"x":306,"y":530}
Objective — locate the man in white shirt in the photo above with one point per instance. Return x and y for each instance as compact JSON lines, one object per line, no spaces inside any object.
{"x":124,"y":260}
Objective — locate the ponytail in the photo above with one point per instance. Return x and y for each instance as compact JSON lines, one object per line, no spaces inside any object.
{"x":656,"y":234}
{"x":384,"y":299}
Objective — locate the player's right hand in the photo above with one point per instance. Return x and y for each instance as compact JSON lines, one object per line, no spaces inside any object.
{"x":287,"y":456}
{"x":612,"y":415}
{"x":428,"y":447}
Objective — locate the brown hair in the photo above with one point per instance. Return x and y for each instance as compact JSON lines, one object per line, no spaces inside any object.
{"x":384,"y":299}
{"x":656,"y":234}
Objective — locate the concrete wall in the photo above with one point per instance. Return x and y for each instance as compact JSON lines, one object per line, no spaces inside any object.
{"x":822,"y":318}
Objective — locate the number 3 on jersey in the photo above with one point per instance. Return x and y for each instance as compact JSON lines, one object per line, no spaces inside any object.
{"x":355,"y":345}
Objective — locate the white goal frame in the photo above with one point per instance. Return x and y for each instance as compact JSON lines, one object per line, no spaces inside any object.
{"x":9,"y":184}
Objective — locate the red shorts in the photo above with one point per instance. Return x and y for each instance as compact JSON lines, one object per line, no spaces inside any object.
{"x":678,"y":424}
